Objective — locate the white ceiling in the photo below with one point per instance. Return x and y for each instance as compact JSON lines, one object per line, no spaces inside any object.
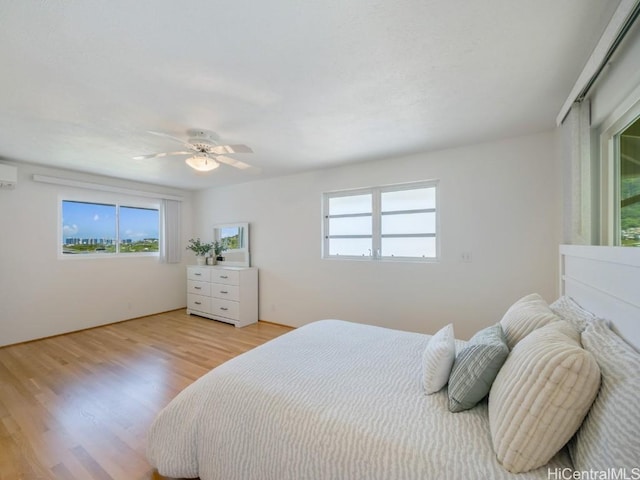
{"x":306,"y":84}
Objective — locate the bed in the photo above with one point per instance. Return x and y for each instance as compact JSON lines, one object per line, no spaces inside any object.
{"x":340,"y":400}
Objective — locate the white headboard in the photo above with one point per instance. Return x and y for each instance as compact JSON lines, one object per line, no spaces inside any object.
{"x":606,"y":282}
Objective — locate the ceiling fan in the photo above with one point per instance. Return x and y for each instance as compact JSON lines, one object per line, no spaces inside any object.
{"x":205,"y":152}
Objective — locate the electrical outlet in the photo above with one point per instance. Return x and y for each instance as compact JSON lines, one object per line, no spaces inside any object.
{"x":466,"y":257}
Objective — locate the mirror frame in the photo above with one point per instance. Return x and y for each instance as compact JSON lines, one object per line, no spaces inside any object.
{"x":240,"y":257}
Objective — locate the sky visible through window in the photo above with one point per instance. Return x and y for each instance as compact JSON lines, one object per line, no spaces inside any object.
{"x":382,"y":222}
{"x":138,"y":223}
{"x":94,"y":220}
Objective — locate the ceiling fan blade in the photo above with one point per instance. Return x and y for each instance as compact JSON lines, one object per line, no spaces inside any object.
{"x":160,"y":155}
{"x":166,"y":135}
{"x":221,"y":149}
{"x":237,"y":164}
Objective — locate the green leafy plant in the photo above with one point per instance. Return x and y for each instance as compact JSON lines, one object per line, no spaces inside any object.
{"x":199,"y":248}
{"x":218,"y":248}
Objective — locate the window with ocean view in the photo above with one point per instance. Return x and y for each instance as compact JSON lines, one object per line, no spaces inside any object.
{"x":108,"y":229}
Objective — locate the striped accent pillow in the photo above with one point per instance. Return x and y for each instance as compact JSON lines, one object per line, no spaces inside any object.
{"x":541,"y":396}
{"x":609,"y":436}
{"x":524,"y":316}
{"x":567,"y":309}
{"x":437,"y":360}
{"x":475,"y":368}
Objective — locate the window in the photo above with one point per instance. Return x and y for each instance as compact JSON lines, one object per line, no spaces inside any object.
{"x":396,"y":222}
{"x":103,"y":229}
{"x":619,"y":179}
{"x":628,"y":184}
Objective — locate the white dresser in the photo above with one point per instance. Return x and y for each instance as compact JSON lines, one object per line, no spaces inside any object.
{"x":228,"y":294}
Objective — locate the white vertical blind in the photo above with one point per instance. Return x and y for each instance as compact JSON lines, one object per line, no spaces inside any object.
{"x":170,"y":218}
{"x":578,"y":208}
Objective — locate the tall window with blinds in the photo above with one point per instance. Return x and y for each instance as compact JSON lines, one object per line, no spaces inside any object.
{"x":394,"y":222}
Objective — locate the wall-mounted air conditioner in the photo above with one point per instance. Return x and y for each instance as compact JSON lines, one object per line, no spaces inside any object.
{"x":8,"y":176}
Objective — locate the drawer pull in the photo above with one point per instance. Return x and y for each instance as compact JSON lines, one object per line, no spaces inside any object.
{"x":224,"y":308}
{"x":224,"y":291}
{"x":197,"y":303}
{"x":197,"y":288}
{"x":224,"y":276}
{"x":197,"y":274}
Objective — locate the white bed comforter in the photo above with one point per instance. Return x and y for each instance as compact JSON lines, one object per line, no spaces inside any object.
{"x":330,"y":400}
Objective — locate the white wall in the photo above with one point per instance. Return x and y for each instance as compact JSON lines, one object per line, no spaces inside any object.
{"x":42,"y":295}
{"x":501,"y":201}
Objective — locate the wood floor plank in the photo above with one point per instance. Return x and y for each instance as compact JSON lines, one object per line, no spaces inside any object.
{"x":78,"y":406}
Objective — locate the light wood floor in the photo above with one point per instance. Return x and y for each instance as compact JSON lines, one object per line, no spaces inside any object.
{"x":78,"y":406}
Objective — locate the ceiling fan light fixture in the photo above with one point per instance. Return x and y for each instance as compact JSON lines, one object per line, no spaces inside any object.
{"x":202,"y":163}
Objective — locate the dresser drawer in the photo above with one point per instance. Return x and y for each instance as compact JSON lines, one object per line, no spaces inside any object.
{"x":228,"y":292}
{"x":199,"y":288}
{"x":198,"y":302}
{"x":225,"y":308}
{"x":228,"y":277}
{"x":200,"y":274}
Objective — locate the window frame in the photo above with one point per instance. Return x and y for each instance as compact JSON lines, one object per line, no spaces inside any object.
{"x":117,"y":202}
{"x":376,"y":222}
{"x":609,"y":171}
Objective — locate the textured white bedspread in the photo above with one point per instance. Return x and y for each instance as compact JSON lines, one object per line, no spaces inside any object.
{"x":330,"y":400}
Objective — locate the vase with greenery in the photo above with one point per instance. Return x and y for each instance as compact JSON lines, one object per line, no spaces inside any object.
{"x":200,"y":248}
{"x":218,"y":248}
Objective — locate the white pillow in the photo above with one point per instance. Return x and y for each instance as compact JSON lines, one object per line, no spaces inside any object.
{"x":437,"y":360}
{"x":540,"y":396}
{"x":525,"y":316}
{"x":567,"y":309}
{"x":608,"y":437}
